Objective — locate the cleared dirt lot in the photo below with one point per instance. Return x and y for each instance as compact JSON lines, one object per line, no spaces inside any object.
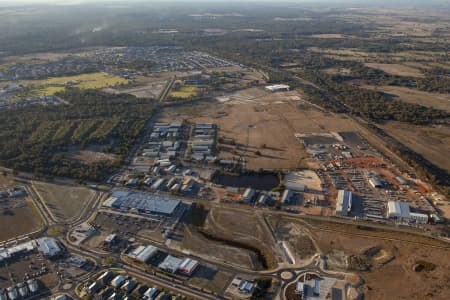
{"x":431,"y":142}
{"x":262,"y":126}
{"x":435,"y":100}
{"x":146,"y":87}
{"x":88,"y":156}
{"x":390,"y":265}
{"x":195,"y":243}
{"x":12,"y":222}
{"x":65,"y":202}
{"x":396,"y":69}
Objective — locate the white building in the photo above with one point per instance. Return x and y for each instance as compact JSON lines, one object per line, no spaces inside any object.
{"x":118,"y":281}
{"x":419,"y":218}
{"x":170,"y":264}
{"x":146,"y":253}
{"x":400,"y":211}
{"x":248,"y":195}
{"x":375,"y":183}
{"x":287,"y":196}
{"x":278,"y":88}
{"x":343,"y":202}
{"x":188,"y":266}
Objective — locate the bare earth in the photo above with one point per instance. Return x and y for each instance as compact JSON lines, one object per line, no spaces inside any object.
{"x":396,"y":69}
{"x":12,"y":222}
{"x":262,"y":122}
{"x":65,"y":202}
{"x":431,"y":142}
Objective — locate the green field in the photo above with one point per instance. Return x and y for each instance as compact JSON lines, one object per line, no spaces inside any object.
{"x":51,"y":86}
{"x":185,"y":92}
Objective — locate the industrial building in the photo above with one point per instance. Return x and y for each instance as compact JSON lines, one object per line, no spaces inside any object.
{"x":244,"y":286}
{"x":401,"y":180}
{"x":248,"y":195}
{"x":400,"y":211}
{"x":287,"y":196}
{"x":188,"y":266}
{"x":278,"y":88}
{"x":144,"y":203}
{"x":375,"y":183}
{"x":343,"y":202}
{"x":118,"y":281}
{"x":47,"y":246}
{"x":170,"y":264}
{"x":143,"y":253}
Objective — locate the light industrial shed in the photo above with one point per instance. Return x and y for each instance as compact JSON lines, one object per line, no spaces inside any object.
{"x":144,"y":202}
{"x":343,"y":202}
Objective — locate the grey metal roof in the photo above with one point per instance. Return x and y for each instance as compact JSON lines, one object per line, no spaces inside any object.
{"x":152,"y":203}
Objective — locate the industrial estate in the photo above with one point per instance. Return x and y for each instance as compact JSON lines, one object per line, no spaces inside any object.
{"x":171,"y":170}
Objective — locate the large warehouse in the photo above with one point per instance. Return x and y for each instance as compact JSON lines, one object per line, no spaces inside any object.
{"x":343,"y":203}
{"x":143,"y":253}
{"x":145,"y":203}
{"x":278,"y":88}
{"x":400,"y":211}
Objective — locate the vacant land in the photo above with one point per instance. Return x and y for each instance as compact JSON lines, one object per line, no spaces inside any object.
{"x":435,"y":100}
{"x":386,"y":265}
{"x":397,"y":69}
{"x":184,"y":91}
{"x":12,"y":221}
{"x":89,"y":156}
{"x":194,"y":242}
{"x":262,"y":126}
{"x":54,"y":85}
{"x":431,"y":142}
{"x":65,"y":202}
{"x":143,"y":87}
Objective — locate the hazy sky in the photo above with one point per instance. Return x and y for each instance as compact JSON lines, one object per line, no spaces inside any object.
{"x":74,"y":2}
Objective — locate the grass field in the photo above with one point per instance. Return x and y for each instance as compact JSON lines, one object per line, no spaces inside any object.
{"x":18,"y":221}
{"x":54,"y":85}
{"x":65,"y":202}
{"x":184,"y":92}
{"x":396,"y":69}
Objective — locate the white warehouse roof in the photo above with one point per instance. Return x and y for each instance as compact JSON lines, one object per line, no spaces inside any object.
{"x":118,"y":280}
{"x":278,"y":87}
{"x":48,"y":246}
{"x":398,"y":209}
{"x":343,"y":202}
{"x":147,"y":253}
